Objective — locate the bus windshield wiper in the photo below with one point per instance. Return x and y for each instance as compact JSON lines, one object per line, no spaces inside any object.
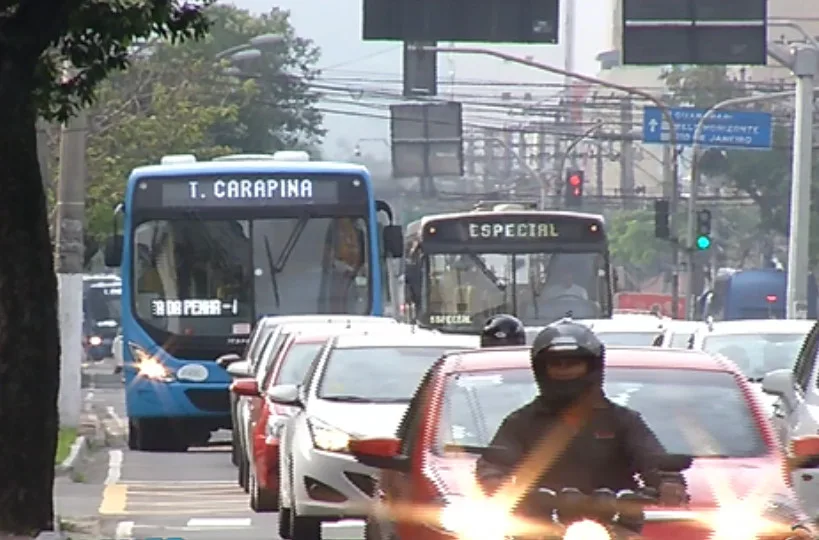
{"x":276,"y":267}
{"x":490,"y":275}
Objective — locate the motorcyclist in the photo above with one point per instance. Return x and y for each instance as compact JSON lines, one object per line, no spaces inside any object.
{"x":571,"y":434}
{"x":503,"y":330}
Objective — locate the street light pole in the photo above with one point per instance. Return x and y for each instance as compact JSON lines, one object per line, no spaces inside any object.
{"x":805,"y":68}
{"x":695,"y":180}
{"x":666,"y":111}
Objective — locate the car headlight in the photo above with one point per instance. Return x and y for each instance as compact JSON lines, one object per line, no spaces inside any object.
{"x":744,"y":520}
{"x":95,"y":341}
{"x":475,"y":518}
{"x":148,"y":365}
{"x":328,"y":438}
{"x":586,"y":530}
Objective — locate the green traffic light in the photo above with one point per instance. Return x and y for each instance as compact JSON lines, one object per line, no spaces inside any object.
{"x":703,"y":242}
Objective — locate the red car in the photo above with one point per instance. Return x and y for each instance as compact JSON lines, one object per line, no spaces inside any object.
{"x":289,"y":367}
{"x":697,"y":405}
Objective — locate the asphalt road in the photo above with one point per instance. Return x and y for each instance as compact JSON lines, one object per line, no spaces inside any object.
{"x":191,"y":495}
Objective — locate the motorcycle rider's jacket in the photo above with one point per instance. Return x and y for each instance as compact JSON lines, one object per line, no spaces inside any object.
{"x":606,"y":446}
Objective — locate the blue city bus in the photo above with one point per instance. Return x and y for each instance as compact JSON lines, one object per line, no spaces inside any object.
{"x":759,"y":293}
{"x":207,"y":248}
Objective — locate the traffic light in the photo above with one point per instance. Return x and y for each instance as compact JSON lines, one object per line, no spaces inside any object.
{"x":573,"y":190}
{"x":662,"y":228}
{"x":703,"y":229}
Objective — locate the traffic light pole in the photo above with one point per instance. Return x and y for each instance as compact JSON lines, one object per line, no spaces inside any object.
{"x":691,"y":247}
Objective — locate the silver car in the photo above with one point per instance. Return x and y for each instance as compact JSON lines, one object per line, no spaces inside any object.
{"x":359,"y":387}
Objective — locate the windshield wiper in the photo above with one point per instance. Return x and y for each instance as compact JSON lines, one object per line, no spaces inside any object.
{"x":287,"y":250}
{"x":347,"y":398}
{"x":469,"y":449}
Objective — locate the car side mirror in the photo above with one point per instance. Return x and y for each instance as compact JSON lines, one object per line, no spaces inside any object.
{"x":240,"y":370}
{"x":245,"y":387}
{"x":777,"y":383}
{"x":380,"y":453}
{"x":286,"y":394}
{"x":112,"y":252}
{"x":393,"y":241}
{"x":227,"y":359}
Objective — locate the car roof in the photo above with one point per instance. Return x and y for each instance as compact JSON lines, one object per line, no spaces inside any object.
{"x":760,"y":326}
{"x":676,"y":325}
{"x":412,"y":338}
{"x":630,"y":323}
{"x":626,"y":357}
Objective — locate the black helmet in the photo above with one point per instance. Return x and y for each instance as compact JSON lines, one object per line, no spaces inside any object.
{"x":564,"y":339}
{"x":503,"y":331}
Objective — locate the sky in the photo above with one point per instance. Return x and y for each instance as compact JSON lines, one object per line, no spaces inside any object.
{"x":356,"y":70}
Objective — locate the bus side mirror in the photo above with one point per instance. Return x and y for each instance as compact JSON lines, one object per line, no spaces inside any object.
{"x":393,"y":241}
{"x":113,"y":251}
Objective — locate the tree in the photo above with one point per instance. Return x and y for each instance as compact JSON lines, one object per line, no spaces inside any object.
{"x":37,"y":38}
{"x":283,"y":113}
{"x":632,"y":240}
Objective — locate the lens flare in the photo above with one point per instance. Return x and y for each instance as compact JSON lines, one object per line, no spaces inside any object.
{"x":586,"y":530}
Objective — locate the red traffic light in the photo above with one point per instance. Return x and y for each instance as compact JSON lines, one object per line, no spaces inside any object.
{"x":575,"y":180}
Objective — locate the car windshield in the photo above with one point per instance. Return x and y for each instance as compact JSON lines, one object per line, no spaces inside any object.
{"x":755,"y":353}
{"x":375,"y":374}
{"x":628,"y":339}
{"x":698,"y":413}
{"x":464,"y":289}
{"x":211,"y":277}
{"x":296,"y":362}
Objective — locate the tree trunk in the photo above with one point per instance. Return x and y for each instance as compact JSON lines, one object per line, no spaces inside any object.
{"x":29,"y":337}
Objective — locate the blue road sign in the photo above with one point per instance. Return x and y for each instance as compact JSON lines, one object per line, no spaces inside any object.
{"x":722,"y":129}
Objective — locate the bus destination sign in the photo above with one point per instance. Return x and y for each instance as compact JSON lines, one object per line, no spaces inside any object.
{"x":248,"y":191}
{"x":513,"y":229}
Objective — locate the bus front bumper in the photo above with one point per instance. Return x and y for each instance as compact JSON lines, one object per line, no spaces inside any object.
{"x":147,"y":398}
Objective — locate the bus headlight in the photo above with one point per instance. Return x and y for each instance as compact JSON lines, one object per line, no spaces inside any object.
{"x":475,"y":519}
{"x":149,"y":366}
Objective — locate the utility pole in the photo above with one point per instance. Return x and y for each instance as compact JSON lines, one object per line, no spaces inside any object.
{"x":804,"y":67}
{"x":69,"y":264}
{"x":627,"y":152}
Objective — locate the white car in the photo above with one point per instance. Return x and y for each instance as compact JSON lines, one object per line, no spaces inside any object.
{"x":795,"y":391}
{"x":757,"y":347}
{"x":678,"y":334}
{"x":265,"y":342}
{"x":360,"y":386}
{"x":623,"y":330}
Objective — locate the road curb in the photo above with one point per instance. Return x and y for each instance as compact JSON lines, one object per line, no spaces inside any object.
{"x":77,"y":454}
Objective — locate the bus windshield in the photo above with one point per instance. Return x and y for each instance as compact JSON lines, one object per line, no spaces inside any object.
{"x":102,"y":303}
{"x":203,"y":276}
{"x":464,"y":289}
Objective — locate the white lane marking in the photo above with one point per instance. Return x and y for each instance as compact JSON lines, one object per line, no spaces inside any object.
{"x":125,"y":530}
{"x":342,"y":530}
{"x":117,"y":418}
{"x":220,"y":522}
{"x":114,"y":467}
